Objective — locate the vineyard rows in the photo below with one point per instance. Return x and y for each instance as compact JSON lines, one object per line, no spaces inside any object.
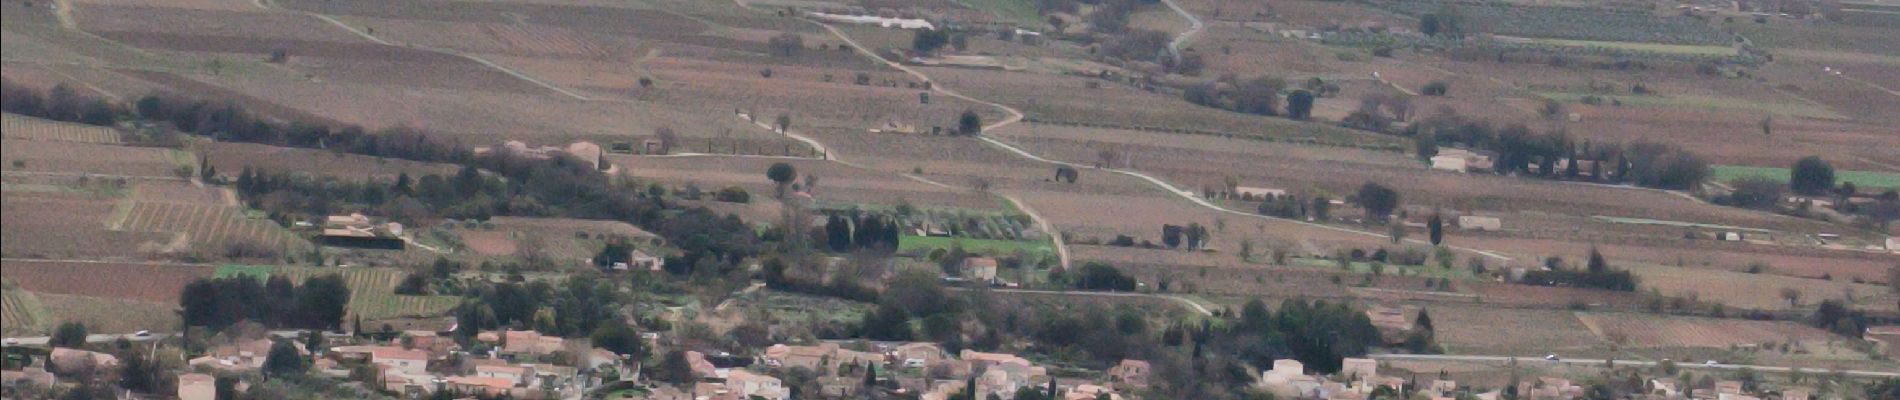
{"x":29,"y":128}
{"x":372,"y":290}
{"x":207,"y":224}
{"x":20,"y":312}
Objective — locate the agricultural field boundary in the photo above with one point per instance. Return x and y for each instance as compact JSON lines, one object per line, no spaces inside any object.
{"x":490,"y":64}
{"x":1017,"y":115}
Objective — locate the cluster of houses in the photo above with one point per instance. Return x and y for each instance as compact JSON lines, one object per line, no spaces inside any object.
{"x":917,"y":368}
{"x":419,"y":363}
{"x":358,"y":230}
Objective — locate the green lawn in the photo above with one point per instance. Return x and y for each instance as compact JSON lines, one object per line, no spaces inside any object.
{"x":909,"y":243}
{"x":1863,"y":179}
{"x":1021,"y":12}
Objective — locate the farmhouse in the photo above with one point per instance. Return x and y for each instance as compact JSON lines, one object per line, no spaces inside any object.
{"x":530,"y":342}
{"x":66,"y":359}
{"x":356,"y":230}
{"x":1461,"y":160}
{"x":197,"y":387}
{"x":749,"y":385}
{"x":1887,"y":337}
{"x":1893,"y":244}
{"x":981,"y":269}
{"x":1133,"y":373}
{"x":1476,"y":223}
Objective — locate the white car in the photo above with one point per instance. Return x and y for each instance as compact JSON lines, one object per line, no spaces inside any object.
{"x":1552,"y":357}
{"x":142,"y":334}
{"x":12,"y":341}
{"x":1711,"y":362}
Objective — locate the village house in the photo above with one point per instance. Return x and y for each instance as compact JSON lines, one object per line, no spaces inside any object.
{"x":65,"y":359}
{"x":197,"y":387}
{"x":1133,"y":373}
{"x":513,"y":373}
{"x":1477,"y":223}
{"x":748,"y":385}
{"x":808,"y":357}
{"x":1356,"y":370}
{"x":696,"y":362}
{"x":918,"y":354}
{"x":485,"y":386}
{"x":244,"y":355}
{"x":980,"y":269}
{"x":408,"y":362}
{"x":1090,"y":392}
{"x":530,"y":342}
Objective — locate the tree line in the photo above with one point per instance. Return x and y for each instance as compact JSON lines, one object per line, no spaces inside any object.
{"x":318,"y":303}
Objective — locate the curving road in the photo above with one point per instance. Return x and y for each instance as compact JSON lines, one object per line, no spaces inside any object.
{"x":1174,"y":47}
{"x":1017,"y":115}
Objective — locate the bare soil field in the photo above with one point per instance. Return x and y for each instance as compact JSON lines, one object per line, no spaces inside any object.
{"x":159,"y":283}
{"x":71,"y":158}
{"x":61,"y":225}
{"x":1417,"y":185}
{"x":179,"y":192}
{"x":30,"y":128}
{"x":251,"y":23}
{"x":558,"y":238}
{"x":231,"y":158}
{"x":1760,"y":292}
{"x":802,"y":93}
{"x":1069,"y":100}
{"x":1697,"y":255}
{"x":1641,"y":330}
{"x":836,"y":183}
{"x":1244,"y":280}
{"x":1485,"y":330}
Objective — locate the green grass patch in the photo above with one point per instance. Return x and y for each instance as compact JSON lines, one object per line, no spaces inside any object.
{"x":1712,"y":103}
{"x":1648,"y":47}
{"x":1862,"y":179}
{"x":1020,"y":12}
{"x":908,"y":243}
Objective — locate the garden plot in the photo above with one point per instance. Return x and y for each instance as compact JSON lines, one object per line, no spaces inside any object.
{"x":372,"y":290}
{"x":1503,"y":331}
{"x":210,"y":227}
{"x":30,"y":128}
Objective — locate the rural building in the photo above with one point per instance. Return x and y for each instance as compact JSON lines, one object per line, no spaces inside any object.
{"x":1133,"y":373}
{"x":1476,"y":223}
{"x":642,"y":260}
{"x":1893,"y":244}
{"x":981,"y":269}
{"x":749,"y":385}
{"x":530,"y":342}
{"x":509,"y":372}
{"x":356,"y":230}
{"x":1090,"y":392}
{"x":197,"y":387}
{"x":923,"y":352}
{"x":412,"y":362}
{"x":809,"y":357}
{"x":65,"y":359}
{"x":485,"y":386}
{"x":1448,"y":163}
{"x":1794,"y":394}
{"x":1360,"y":369}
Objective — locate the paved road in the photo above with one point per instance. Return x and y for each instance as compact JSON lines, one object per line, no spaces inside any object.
{"x":1588,"y":361}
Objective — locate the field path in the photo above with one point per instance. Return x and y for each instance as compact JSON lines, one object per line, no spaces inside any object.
{"x":490,"y":64}
{"x":1190,"y":304}
{"x":63,"y":10}
{"x":1586,"y":361}
{"x":1062,"y":249}
{"x":1174,"y":47}
{"x":1017,"y":115}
